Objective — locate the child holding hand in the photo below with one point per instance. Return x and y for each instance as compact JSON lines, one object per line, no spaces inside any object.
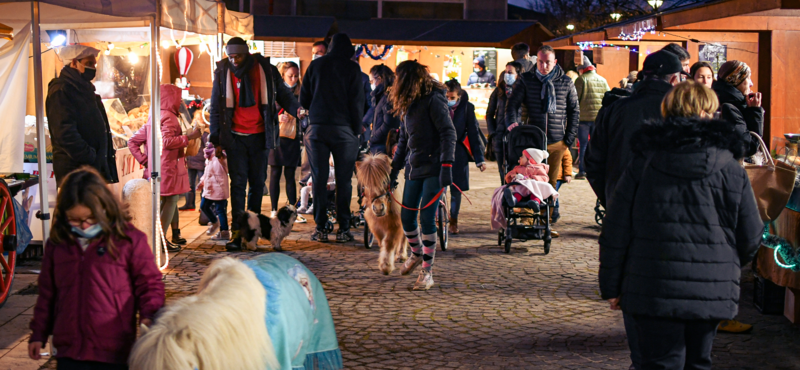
{"x":215,"y":189}
{"x":97,"y":274}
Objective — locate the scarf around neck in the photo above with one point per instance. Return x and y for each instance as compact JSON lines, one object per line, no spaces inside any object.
{"x":72,"y":76}
{"x":548,"y":90}
{"x":242,"y":72}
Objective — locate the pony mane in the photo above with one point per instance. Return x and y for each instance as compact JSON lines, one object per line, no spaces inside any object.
{"x":373,"y":172}
{"x":220,"y":327}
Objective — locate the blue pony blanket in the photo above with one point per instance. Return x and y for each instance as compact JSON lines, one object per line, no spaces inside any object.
{"x":298,"y":317}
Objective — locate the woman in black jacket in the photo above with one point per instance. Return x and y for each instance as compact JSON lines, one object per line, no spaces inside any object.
{"x":427,"y":151}
{"x":682,"y":221}
{"x":469,"y":147}
{"x":286,"y":157}
{"x":495,"y":113}
{"x":738,"y":104}
{"x":381,"y":78}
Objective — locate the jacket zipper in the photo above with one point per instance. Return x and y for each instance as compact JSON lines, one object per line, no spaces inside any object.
{"x":410,"y":166}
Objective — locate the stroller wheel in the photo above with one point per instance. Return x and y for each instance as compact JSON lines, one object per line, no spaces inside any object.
{"x":547,"y":246}
{"x":508,"y":245}
{"x":443,"y":223}
{"x":500,"y":236}
{"x":598,"y":217}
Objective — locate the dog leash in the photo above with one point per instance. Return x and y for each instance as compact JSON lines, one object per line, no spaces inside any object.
{"x":433,"y":200}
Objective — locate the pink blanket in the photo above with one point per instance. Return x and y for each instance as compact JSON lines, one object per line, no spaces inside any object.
{"x":539,"y":189}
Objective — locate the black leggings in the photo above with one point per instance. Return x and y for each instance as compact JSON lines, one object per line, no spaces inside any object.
{"x":275,"y":185}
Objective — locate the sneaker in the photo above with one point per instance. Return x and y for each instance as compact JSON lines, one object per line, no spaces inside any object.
{"x":735,"y":327}
{"x":424,"y":281}
{"x":344,"y":236}
{"x":222,"y":235}
{"x":555,"y":215}
{"x":302,"y":210}
{"x":309,"y":211}
{"x":187,"y":208}
{"x":554,"y":234}
{"x":410,"y":264}
{"x":300,"y":219}
{"x":176,"y":239}
{"x":580,"y":176}
{"x":273,"y":214}
{"x":212,"y":228}
{"x":172,"y":248}
{"x":319,"y":236}
{"x":235,"y":245}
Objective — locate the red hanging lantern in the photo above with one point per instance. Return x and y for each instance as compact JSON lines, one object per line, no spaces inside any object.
{"x":183,"y":59}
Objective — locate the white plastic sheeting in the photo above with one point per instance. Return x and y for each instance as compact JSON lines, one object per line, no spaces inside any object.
{"x":13,"y":97}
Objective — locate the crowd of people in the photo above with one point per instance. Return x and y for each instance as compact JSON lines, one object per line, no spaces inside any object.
{"x":662,"y":153}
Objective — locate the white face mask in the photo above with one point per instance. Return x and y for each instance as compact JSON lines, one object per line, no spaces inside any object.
{"x":315,"y":56}
{"x":372,"y":86}
{"x":290,"y":86}
{"x":509,"y":78}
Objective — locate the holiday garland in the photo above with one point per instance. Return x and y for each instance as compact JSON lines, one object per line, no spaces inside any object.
{"x":783,"y":250}
{"x":387,"y":51}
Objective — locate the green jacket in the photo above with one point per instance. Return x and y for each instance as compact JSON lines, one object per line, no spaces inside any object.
{"x":590,"y":87}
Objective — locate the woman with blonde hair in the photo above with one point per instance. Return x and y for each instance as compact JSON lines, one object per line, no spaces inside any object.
{"x":286,"y":157}
{"x":427,"y":151}
{"x":682,"y":221}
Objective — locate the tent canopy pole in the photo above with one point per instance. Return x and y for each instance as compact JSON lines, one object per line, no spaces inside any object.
{"x":41,"y":140}
{"x":155,"y":128}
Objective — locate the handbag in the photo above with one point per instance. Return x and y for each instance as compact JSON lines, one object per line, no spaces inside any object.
{"x":288,"y":129}
{"x":772,"y":183}
{"x":490,"y":154}
{"x":194,"y":145}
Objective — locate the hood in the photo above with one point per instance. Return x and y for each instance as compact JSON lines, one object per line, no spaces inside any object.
{"x":728,"y":94}
{"x":341,"y":46}
{"x":689,"y":147}
{"x":170,"y":98}
{"x":462,"y":101}
{"x":615,"y":94}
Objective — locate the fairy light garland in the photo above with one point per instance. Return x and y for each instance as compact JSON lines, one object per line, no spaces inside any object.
{"x":783,"y":251}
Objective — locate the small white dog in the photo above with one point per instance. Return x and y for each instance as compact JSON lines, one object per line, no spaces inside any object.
{"x":254,"y":226}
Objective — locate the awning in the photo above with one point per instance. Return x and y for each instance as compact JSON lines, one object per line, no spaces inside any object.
{"x":293,"y":28}
{"x":500,"y":34}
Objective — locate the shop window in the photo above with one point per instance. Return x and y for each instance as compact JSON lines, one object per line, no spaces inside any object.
{"x":280,"y":49}
{"x":340,"y":9}
{"x":409,"y":10}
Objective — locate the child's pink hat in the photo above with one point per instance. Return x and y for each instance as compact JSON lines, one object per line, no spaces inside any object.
{"x":536,"y":155}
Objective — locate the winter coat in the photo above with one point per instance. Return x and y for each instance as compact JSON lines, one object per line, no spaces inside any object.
{"x":682,"y":222}
{"x":222,"y":116}
{"x":198,"y":161}
{"x":609,"y":153}
{"x":591,"y":87}
{"x":174,"y":176}
{"x":287,"y":153}
{"x":733,"y":108}
{"x":384,"y":121}
{"x":559,"y":126}
{"x":483,"y":77}
{"x":333,"y":89}
{"x":78,"y":126}
{"x":533,"y":171}
{"x":88,"y":301}
{"x":466,"y":125}
{"x":427,"y":138}
{"x":215,"y":180}
{"x":495,"y":113}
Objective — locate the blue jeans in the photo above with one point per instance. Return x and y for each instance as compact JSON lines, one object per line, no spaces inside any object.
{"x":416,"y":194}
{"x":585,"y":129}
{"x":216,"y":210}
{"x":558,"y":186}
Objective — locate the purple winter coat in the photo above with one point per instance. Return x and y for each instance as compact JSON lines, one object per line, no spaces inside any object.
{"x":88,"y":302}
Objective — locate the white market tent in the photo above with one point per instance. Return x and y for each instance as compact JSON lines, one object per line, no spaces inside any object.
{"x":92,"y":21}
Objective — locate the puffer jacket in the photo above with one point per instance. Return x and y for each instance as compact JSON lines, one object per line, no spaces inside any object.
{"x":427,"y":138}
{"x":609,"y":152}
{"x":78,"y":127}
{"x":591,"y":87}
{"x":383,"y":120}
{"x":733,"y":108}
{"x":561,"y":125}
{"x":682,"y":222}
{"x":174,"y":176}
{"x":88,"y":300}
{"x":215,"y":180}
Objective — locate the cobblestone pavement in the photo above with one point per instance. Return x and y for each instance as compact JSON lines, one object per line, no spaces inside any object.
{"x":488,"y":309}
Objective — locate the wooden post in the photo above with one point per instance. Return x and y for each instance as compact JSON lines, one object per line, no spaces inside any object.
{"x":765,"y":81}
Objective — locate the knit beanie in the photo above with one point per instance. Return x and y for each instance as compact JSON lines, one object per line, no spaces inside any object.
{"x":734,"y":72}
{"x":535,"y":155}
{"x":481,"y":61}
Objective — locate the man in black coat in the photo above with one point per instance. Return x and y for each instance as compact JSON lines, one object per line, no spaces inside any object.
{"x":77,"y":119}
{"x":243,"y":123}
{"x":552,"y":103}
{"x":609,"y":148}
{"x":333,"y":92}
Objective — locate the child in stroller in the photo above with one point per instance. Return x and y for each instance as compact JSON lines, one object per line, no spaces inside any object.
{"x":307,"y":189}
{"x":530,"y":168}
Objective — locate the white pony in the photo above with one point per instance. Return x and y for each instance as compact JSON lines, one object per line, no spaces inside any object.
{"x":266,"y":313}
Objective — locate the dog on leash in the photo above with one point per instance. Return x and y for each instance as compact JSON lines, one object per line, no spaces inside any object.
{"x":253,"y":226}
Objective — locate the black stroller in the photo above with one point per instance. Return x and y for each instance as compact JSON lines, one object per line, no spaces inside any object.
{"x":519,"y":139}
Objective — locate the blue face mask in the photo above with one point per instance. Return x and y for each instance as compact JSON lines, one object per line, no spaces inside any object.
{"x":452,"y":103}
{"x":510,"y":79}
{"x":89,"y":233}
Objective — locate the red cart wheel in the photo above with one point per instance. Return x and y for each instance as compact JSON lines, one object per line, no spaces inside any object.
{"x":8,"y":230}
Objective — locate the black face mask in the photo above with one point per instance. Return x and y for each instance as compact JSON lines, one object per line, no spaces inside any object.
{"x":89,"y":73}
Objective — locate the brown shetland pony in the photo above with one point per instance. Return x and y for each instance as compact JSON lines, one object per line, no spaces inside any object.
{"x":381,"y":213}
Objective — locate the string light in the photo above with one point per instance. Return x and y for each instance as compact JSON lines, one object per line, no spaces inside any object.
{"x":132,"y":57}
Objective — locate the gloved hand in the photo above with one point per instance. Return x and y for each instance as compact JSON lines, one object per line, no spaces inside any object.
{"x":393,"y":179}
{"x":446,"y":175}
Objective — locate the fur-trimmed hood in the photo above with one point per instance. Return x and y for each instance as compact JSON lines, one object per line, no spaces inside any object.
{"x":689,"y":147}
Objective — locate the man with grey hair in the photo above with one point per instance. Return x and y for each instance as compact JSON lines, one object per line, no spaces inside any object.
{"x":244,"y":117}
{"x":77,"y":119}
